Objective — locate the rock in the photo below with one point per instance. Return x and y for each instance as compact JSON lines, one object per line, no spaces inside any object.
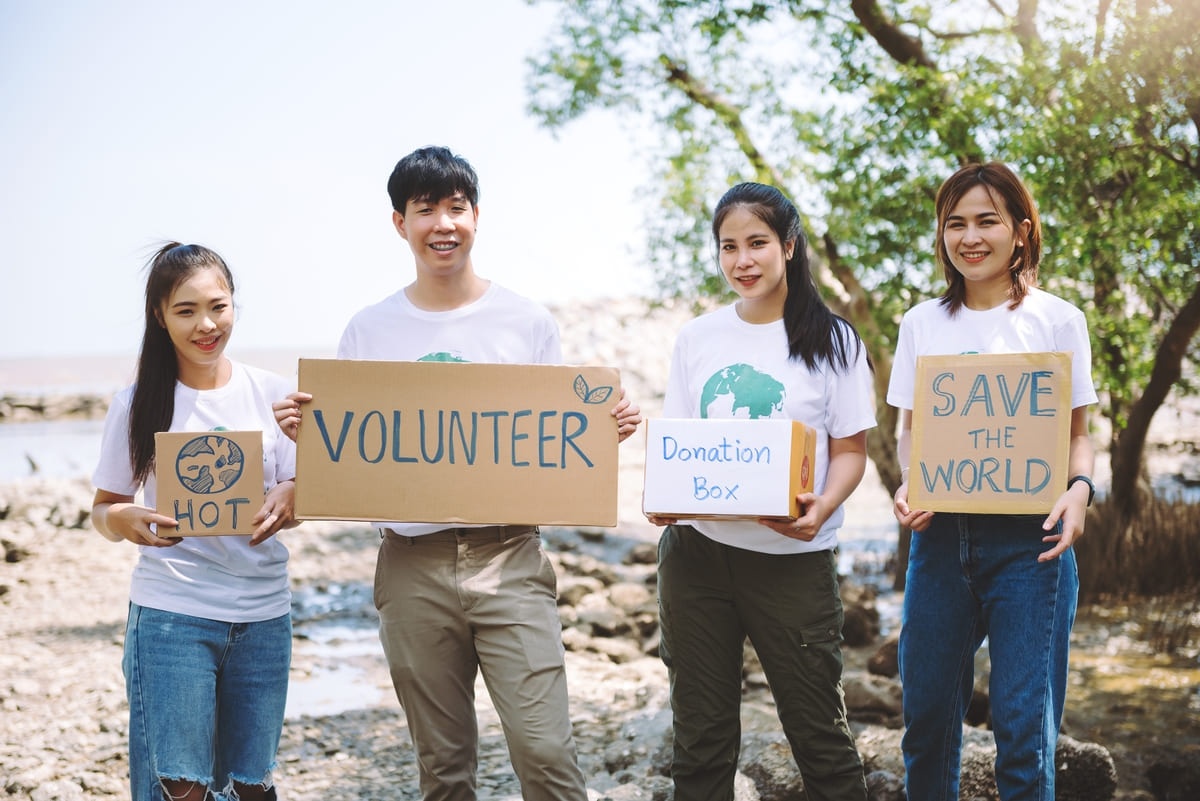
{"x":573,"y":589}
{"x":61,"y":790}
{"x":884,"y":786}
{"x":885,"y":661}
{"x":872,"y":698}
{"x":767,"y":760}
{"x":1176,"y":778}
{"x":631,"y":598}
{"x":860,"y":626}
{"x":1085,"y":772}
{"x":644,"y":553}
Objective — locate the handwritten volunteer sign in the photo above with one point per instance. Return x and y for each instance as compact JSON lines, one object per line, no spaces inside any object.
{"x":990,"y":432}
{"x":727,"y":468}
{"x":457,"y":442}
{"x":211,"y":482}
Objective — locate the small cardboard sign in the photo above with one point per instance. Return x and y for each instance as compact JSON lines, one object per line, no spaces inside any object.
{"x":990,"y":432}
{"x":211,"y":482}
{"x":455,"y":442}
{"x":727,"y":468}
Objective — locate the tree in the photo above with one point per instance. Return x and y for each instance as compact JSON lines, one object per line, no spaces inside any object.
{"x":859,"y":110}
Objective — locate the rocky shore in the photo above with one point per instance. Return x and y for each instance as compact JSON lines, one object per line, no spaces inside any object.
{"x":64,"y":590}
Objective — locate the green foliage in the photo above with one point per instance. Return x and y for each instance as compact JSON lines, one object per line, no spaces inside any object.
{"x":859,"y":110}
{"x":1112,"y":145}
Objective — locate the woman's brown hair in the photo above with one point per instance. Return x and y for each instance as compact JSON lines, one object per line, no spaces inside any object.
{"x":1012,"y":197}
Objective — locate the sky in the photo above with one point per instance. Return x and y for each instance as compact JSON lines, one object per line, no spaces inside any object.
{"x":266,"y":130}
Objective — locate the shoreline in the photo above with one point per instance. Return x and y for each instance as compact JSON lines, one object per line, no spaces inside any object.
{"x":345,"y":738}
{"x":100,"y":375}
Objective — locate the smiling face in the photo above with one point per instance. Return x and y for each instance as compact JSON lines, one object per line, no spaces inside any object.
{"x":981,"y":239}
{"x":198,"y":317}
{"x":754,"y":263}
{"x":440,"y":233}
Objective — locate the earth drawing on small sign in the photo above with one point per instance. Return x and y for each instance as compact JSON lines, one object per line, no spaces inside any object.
{"x":209,"y":464}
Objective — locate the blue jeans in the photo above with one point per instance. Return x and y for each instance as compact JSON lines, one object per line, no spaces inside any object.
{"x":972,"y":576}
{"x":206,"y":700}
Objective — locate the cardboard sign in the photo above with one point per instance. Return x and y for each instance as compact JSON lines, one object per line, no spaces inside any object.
{"x":445,"y":442}
{"x":731,"y":469}
{"x":990,"y":432}
{"x":209,"y":481}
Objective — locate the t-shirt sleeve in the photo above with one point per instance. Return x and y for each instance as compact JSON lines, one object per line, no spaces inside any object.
{"x":1073,"y":337}
{"x":114,"y":472}
{"x":549,"y":348}
{"x":285,"y":448}
{"x":850,"y":398}
{"x":677,"y":402}
{"x":902,"y":381}
{"x":348,"y":345}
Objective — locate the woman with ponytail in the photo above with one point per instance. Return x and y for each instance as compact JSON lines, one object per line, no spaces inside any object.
{"x":208,"y":638}
{"x":777,"y":352}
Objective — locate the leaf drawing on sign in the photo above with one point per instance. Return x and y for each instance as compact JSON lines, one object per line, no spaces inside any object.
{"x":591,"y":395}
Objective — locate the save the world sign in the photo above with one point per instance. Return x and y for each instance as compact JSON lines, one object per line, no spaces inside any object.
{"x":990,"y":432}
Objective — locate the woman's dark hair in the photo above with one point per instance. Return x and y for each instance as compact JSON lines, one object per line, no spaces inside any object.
{"x":814,"y":332}
{"x":431,"y":173}
{"x":153,"y":405}
{"x":1006,"y":190}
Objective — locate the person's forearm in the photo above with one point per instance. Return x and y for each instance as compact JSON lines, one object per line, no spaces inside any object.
{"x":903,"y":453}
{"x":1082,"y":459}
{"x":846,"y":471}
{"x":100,"y":522}
{"x":847,"y":465}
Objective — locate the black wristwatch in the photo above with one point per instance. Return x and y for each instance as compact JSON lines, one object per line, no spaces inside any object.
{"x":1085,"y":480}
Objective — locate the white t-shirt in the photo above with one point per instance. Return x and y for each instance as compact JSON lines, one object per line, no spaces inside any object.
{"x":715,"y":349}
{"x":219,"y":578}
{"x":501,"y":327}
{"x":1042,"y":323}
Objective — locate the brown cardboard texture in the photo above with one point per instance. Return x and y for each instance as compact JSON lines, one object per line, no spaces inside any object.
{"x":728,"y":468}
{"x":990,"y":433}
{"x":211,"y":482}
{"x":453,"y":442}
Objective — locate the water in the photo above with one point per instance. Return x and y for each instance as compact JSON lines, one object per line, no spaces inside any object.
{"x":338,"y":679}
{"x":58,"y":449}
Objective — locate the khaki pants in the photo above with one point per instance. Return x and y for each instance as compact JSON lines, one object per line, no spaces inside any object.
{"x":465,"y":600}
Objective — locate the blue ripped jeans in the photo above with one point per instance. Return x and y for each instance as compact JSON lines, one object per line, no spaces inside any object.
{"x":206,"y":700}
{"x":972,"y":576}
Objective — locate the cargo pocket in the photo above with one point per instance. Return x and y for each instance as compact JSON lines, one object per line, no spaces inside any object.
{"x":821,"y":649}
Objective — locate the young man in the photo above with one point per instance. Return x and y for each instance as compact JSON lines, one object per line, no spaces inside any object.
{"x":456,"y":601}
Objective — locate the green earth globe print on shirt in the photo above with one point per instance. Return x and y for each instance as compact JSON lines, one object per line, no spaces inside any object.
{"x":739,"y":390}
{"x":441,"y":356}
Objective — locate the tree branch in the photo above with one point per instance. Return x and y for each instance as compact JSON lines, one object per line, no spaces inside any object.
{"x":896,"y":43}
{"x":728,"y":113}
{"x":1168,"y":368}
